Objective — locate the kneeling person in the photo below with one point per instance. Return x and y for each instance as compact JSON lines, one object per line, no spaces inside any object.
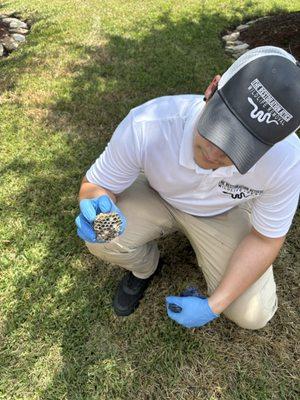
{"x":224,"y":169}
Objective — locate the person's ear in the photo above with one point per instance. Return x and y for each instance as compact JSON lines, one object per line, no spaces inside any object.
{"x":212,"y":87}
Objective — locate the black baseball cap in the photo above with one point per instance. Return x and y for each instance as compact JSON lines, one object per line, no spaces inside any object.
{"x":256,"y":105}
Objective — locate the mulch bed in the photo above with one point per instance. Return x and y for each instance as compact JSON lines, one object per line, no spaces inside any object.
{"x":282,"y":30}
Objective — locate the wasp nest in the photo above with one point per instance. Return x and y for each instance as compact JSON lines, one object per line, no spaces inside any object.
{"x":107,"y":226}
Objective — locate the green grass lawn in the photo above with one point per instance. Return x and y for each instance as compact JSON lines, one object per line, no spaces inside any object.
{"x":85,"y":65}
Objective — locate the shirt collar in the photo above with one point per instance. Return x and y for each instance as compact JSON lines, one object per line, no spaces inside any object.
{"x":186,"y":152}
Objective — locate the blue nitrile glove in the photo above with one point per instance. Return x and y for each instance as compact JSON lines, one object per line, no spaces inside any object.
{"x":190,"y":311}
{"x":90,"y":208}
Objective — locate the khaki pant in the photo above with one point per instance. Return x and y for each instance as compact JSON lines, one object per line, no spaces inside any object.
{"x":213,"y":239}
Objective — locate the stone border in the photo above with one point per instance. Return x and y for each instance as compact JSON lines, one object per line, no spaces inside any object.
{"x":16,"y":31}
{"x":235,"y":47}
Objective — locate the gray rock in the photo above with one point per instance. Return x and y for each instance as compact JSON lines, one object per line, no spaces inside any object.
{"x":232,"y":36}
{"x":21,"y":31}
{"x":19,"y":24}
{"x":15,"y":23}
{"x":237,"y":49}
{"x":242,"y":27}
{"x":9,"y":43}
{"x":10,"y":19}
{"x":229,"y":49}
{"x":1,"y":50}
{"x":233,"y":42}
{"x":266,"y":17}
{"x":18,"y":38}
{"x":257,"y":19}
{"x":241,"y":47}
{"x":237,"y":55}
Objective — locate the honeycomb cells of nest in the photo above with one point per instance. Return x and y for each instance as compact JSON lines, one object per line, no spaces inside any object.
{"x":107,"y":226}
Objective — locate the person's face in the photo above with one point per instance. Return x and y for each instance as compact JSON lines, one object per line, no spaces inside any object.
{"x":206,"y":154}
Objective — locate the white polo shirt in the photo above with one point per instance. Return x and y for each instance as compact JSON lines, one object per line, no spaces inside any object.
{"x":157,"y":138}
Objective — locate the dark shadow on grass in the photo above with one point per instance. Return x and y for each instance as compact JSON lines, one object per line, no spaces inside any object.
{"x":80,"y":318}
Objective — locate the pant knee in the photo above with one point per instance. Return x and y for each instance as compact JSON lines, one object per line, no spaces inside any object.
{"x":141,"y":260}
{"x":252,"y":323}
{"x":108,"y":251}
{"x":252,"y":318}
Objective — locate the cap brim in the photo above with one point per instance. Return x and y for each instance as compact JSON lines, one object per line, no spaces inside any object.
{"x":221,"y":127}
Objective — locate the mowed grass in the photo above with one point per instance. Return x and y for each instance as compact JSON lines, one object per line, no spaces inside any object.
{"x":84,"y":66}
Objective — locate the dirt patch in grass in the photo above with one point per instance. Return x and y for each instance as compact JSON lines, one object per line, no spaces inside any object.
{"x":282,"y":30}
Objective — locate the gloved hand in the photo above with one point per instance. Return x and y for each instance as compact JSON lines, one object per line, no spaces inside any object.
{"x":190,"y":311}
{"x":90,"y":208}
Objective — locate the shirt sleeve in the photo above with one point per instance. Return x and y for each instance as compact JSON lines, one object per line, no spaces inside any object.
{"x":273,"y":212}
{"x":120,"y":163}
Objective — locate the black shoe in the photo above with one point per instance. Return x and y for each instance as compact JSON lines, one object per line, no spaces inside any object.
{"x":130,"y":291}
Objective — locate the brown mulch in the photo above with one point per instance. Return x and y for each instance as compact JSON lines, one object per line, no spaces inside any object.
{"x":282,"y":30}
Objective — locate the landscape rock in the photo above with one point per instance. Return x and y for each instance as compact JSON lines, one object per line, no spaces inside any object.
{"x":9,"y":20}
{"x":242,"y":27}
{"x":237,"y":49}
{"x":15,"y":23}
{"x":9,"y":43}
{"x":237,"y":55}
{"x":12,"y":32}
{"x":229,"y":49}
{"x":19,"y":24}
{"x":18,"y":38}
{"x":231,"y":36}
{"x":21,"y":31}
{"x":241,"y":47}
{"x":233,"y":42}
{"x":257,"y":19}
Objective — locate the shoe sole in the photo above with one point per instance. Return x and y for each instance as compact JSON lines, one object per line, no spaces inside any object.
{"x":126,"y":313}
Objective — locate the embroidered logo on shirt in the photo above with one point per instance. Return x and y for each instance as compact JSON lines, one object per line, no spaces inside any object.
{"x":238,"y":191}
